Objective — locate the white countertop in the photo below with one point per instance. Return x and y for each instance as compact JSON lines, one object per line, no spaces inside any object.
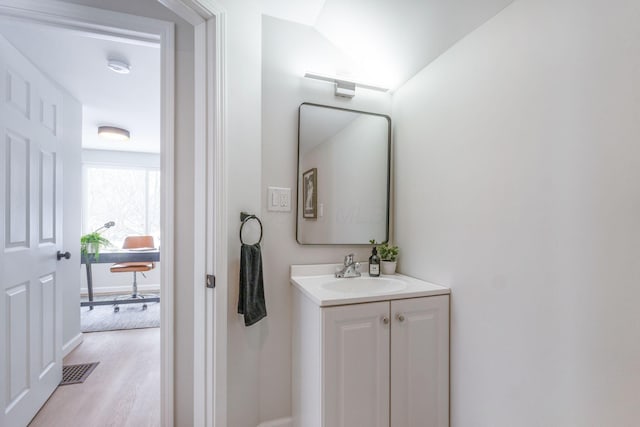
{"x":312,"y":281}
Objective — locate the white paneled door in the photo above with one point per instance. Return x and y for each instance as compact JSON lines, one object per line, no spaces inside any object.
{"x":30,"y":236}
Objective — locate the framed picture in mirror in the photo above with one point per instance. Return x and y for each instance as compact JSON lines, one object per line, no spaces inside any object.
{"x":310,"y":194}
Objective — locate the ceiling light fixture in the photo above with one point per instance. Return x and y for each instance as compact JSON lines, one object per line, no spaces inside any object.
{"x":344,"y":87}
{"x":119,"y":67}
{"x":113,"y":133}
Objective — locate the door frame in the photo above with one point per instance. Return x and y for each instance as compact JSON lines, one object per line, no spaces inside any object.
{"x":145,"y":31}
{"x":209,"y":19}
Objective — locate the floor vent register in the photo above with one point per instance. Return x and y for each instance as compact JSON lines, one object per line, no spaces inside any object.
{"x":76,"y":374}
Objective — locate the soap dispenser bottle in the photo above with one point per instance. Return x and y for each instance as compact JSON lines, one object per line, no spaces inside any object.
{"x":374,"y":263}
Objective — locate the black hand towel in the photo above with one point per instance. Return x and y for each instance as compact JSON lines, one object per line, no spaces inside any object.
{"x":251,"y":301}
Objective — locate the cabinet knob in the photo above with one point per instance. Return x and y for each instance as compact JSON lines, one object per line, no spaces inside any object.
{"x":400,"y":317}
{"x":385,"y":320}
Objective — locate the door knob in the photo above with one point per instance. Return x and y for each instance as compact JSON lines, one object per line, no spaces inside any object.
{"x":400,"y":317}
{"x":65,"y":255}
{"x":385,"y":320}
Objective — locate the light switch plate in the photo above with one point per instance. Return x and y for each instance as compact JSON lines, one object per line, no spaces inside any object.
{"x":279,"y":199}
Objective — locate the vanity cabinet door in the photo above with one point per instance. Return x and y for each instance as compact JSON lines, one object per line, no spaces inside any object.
{"x":356,"y":365}
{"x":420,"y":362}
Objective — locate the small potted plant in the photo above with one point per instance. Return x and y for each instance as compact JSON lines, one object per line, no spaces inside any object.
{"x":388,"y":257}
{"x":90,"y":244}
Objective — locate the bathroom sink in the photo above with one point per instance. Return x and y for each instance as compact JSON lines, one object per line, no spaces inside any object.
{"x":358,"y":285}
{"x":318,"y":283}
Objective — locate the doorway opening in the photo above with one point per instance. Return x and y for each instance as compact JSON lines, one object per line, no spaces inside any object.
{"x":65,"y":79}
{"x":203,"y":385}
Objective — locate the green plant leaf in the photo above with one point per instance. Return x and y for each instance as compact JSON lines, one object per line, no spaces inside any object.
{"x":388,"y":252}
{"x":90,"y":244}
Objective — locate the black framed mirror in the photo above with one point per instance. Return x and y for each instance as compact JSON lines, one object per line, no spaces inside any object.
{"x":344,"y":167}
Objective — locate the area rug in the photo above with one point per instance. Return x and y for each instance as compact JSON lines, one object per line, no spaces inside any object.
{"x":130,"y":316}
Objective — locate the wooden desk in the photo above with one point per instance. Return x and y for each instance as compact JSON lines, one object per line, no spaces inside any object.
{"x":116,"y":257}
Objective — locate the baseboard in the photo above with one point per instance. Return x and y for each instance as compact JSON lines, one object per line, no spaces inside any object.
{"x":120,"y":289}
{"x":281,"y":422}
{"x":72,"y":344}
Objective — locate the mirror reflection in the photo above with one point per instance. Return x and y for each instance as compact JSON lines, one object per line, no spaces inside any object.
{"x":343,"y":176}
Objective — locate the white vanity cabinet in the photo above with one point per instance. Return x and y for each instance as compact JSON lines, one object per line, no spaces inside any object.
{"x":374,"y":364}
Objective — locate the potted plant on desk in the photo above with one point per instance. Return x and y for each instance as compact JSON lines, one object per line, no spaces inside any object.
{"x":90,"y":244}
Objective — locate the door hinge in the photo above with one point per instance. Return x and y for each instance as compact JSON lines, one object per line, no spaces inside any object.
{"x":211,"y":281}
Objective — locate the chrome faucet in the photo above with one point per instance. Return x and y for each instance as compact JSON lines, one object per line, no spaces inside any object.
{"x":350,"y":268}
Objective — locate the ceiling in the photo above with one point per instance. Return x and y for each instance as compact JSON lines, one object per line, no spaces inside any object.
{"x":301,"y":11}
{"x":387,"y":42}
{"x":78,"y":63}
{"x":390,"y":41}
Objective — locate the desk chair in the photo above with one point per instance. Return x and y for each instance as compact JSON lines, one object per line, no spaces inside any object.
{"x":135,"y":242}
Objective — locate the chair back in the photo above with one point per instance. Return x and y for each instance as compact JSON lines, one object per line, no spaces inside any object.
{"x":133,"y":242}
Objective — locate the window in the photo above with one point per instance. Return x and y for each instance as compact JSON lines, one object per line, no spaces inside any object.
{"x":129,"y":196}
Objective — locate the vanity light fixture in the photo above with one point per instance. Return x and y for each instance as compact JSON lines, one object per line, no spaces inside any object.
{"x":113,"y":133}
{"x":345,"y":88}
{"x":119,"y":67}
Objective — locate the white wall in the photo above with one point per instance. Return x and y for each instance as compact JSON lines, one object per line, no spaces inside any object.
{"x":517,"y":185}
{"x":288,"y":50}
{"x":243,"y":151}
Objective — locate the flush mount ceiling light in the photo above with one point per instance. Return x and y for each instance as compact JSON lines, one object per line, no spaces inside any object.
{"x":119,"y":67}
{"x":344,"y":87}
{"x":113,"y":133}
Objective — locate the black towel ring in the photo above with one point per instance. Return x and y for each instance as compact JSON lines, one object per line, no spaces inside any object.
{"x":245,"y":217}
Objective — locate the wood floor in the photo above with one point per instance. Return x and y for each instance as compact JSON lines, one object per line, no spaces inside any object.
{"x":124,"y":390}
